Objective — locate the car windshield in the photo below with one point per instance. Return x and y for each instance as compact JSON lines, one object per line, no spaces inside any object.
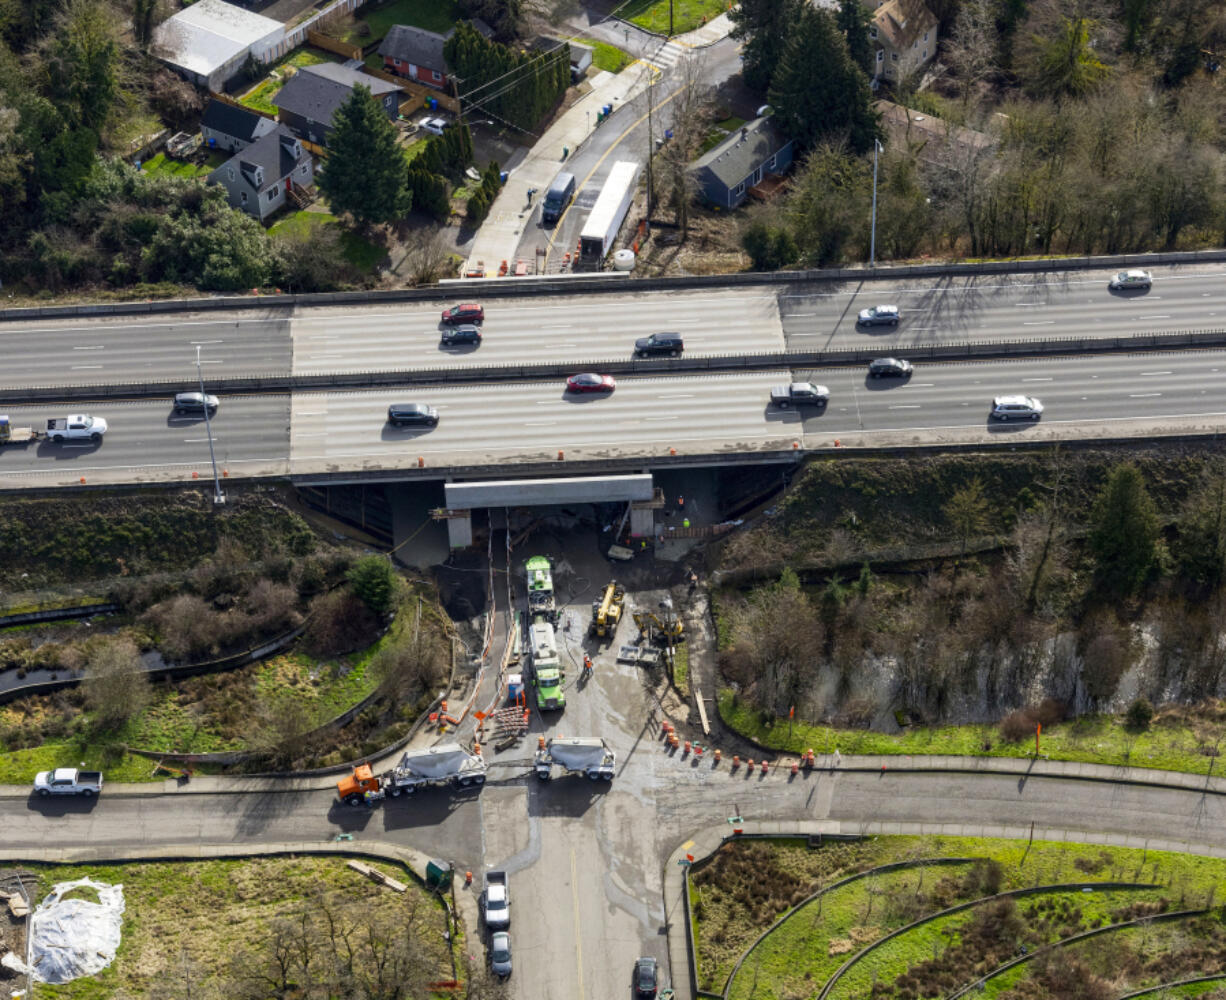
{"x":647,"y":977}
{"x":502,"y":953}
{"x":87,"y":421}
{"x":550,"y":682}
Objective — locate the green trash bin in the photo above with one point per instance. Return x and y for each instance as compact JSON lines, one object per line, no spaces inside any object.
{"x":438,"y":875}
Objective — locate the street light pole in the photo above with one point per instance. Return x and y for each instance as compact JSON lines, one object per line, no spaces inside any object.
{"x":872,"y":240}
{"x":219,"y":498}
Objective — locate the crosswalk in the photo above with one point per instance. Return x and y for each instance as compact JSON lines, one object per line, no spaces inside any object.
{"x":667,"y":56}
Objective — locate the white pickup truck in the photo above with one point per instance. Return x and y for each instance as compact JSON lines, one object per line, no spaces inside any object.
{"x":76,"y":427}
{"x":68,"y":781}
{"x":495,"y":901}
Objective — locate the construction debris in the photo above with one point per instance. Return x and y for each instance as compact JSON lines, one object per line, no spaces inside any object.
{"x":377,"y":876}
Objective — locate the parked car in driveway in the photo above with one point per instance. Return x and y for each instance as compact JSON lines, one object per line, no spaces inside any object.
{"x":500,"y":954}
{"x":889,"y":368}
{"x":1016,"y":408}
{"x":465,"y":333}
{"x":591,"y":382}
{"x":434,"y":126}
{"x":879,"y":316}
{"x":195,"y":402}
{"x":1134,"y":278}
{"x":465,"y":312}
{"x":660,"y":343}
{"x":646,"y":978}
{"x":412,"y":415}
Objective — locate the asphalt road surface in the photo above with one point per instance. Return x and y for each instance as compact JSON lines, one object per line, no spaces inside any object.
{"x":582,"y":329}
{"x":695,"y":414}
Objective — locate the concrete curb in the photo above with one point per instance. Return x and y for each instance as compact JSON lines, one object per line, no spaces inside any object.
{"x":493,"y":288}
{"x":707,"y":841}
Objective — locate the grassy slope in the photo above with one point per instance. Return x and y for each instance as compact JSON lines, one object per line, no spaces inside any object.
{"x":429,"y":14}
{"x":1168,"y":746}
{"x":687,"y":14}
{"x":175,"y":907}
{"x":608,"y":57}
{"x":160,"y":165}
{"x":802,"y":944}
{"x":259,"y":97}
{"x":362,"y":254}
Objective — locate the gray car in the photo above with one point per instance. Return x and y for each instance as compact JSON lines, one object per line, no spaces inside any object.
{"x":879,"y":316}
{"x":195,"y":402}
{"x":889,"y":367}
{"x":500,"y":954}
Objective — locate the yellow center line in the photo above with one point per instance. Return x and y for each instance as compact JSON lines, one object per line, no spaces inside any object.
{"x":574,"y":893}
{"x":616,"y":142}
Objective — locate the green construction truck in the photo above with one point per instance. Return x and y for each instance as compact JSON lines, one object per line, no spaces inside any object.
{"x":546,"y":667}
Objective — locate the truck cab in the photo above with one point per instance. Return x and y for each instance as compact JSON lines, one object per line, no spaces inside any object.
{"x":352,"y":789}
{"x":799,"y":394}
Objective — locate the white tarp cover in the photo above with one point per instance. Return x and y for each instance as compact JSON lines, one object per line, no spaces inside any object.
{"x":75,"y":937}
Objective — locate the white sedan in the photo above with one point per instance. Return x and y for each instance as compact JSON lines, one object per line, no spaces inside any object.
{"x":1136,"y":278}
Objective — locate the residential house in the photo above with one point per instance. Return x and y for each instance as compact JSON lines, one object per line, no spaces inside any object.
{"x":260,"y":178}
{"x":581,"y":56}
{"x":904,"y":36}
{"x":226,"y":126}
{"x":415,"y":53}
{"x":932,"y":140}
{"x":310,"y":98}
{"x":726,"y":173}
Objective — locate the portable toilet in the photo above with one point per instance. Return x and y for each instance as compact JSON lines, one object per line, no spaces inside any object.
{"x":515,"y":686}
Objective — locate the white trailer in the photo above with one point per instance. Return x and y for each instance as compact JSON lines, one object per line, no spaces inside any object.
{"x":587,"y":754}
{"x":447,"y":763}
{"x":609,"y":212}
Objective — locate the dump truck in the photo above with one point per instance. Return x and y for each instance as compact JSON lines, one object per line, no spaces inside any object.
{"x":607,"y":611}
{"x":546,"y":667}
{"x":68,"y":781}
{"x":587,"y":754}
{"x":446,"y":764}
{"x":540,"y":588}
{"x":496,"y":901}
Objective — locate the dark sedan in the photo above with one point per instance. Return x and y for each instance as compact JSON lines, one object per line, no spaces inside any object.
{"x":195,"y":402}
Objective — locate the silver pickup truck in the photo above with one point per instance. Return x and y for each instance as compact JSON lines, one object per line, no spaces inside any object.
{"x":68,"y":781}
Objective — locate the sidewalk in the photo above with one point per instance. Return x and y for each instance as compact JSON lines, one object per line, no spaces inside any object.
{"x":706,"y":841}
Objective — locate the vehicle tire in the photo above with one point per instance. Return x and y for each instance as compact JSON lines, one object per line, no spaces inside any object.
{"x":462,"y":782}
{"x":893,"y":322}
{"x":783,"y":405}
{"x":95,"y":438}
{"x":353,"y":800}
{"x":395,"y":791}
{"x":431,"y":423}
{"x":479,"y":780}
{"x":594,"y":775}
{"x":87,"y":793}
{"x":543,"y":775}
{"x":57,"y":438}
{"x":409,"y":789}
{"x":607,"y":776}
{"x":44,"y":792}
{"x":1034,"y":416}
{"x":1003,"y":417}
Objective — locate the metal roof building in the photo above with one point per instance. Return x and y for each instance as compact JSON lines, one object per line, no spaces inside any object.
{"x":209,"y":41}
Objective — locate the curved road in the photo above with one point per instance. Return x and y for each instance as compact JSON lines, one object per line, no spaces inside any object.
{"x":584,"y":329}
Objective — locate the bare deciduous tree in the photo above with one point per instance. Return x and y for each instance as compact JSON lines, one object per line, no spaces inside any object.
{"x":972,"y":50}
{"x":116,"y":685}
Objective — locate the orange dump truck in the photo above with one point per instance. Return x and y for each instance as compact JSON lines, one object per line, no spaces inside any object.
{"x":446,"y":764}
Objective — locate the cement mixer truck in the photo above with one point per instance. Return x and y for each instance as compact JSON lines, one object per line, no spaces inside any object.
{"x":588,"y":755}
{"x":446,"y":764}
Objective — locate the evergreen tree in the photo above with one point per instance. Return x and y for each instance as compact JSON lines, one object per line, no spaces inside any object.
{"x":374,"y":582}
{"x":854,"y":20}
{"x":365,"y":173}
{"x":818,"y":92}
{"x":1124,"y":531}
{"x":765,"y":26}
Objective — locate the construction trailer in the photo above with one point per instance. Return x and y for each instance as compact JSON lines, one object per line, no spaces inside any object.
{"x":445,"y":764}
{"x":588,"y":755}
{"x":609,"y":212}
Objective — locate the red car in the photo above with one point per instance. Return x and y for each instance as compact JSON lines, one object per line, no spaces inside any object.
{"x":466,"y":312}
{"x":589,"y":382}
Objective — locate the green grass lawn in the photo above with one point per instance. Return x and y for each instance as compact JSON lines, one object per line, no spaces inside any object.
{"x":608,"y":57}
{"x":681,"y":669}
{"x":720,"y":131}
{"x":259,"y":97}
{"x":362,"y":254}
{"x":687,"y":14}
{"x":815,"y":940}
{"x":161,"y":166}
{"x":1099,"y":739}
{"x":429,"y":14}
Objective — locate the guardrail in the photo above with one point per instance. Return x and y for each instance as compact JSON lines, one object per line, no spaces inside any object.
{"x":715,"y":363}
{"x":511,"y":288}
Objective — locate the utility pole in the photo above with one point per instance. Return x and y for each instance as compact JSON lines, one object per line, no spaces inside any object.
{"x":651,"y":146}
{"x":219,"y":498}
{"x":670,"y":18}
{"x":872,"y":240}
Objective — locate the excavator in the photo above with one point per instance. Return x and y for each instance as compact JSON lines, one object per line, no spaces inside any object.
{"x":672,"y":628}
{"x":607,"y":612}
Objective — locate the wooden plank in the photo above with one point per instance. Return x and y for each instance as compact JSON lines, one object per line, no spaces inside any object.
{"x":702,"y":711}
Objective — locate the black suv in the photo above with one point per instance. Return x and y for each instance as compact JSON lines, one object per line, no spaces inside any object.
{"x":466,"y":334}
{"x":660,"y":343}
{"x":411,"y":414}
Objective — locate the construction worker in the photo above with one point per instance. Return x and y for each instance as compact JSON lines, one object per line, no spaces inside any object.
{"x":587,"y":665}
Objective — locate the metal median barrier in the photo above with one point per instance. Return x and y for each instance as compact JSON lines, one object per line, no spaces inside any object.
{"x":600,"y":284}
{"x":693,"y":364}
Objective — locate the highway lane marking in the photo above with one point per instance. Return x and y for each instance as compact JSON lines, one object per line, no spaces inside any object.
{"x":1036,"y":380}
{"x":798,"y":316}
{"x":540,"y":423}
{"x":1161,"y":373}
{"x":99,"y":347}
{"x":1154,"y":317}
{"x":684,"y":395}
{"x":1143,"y":395}
{"x":1041,"y":322}
{"x":77,"y":368}
{"x":209,"y":361}
{"x":906,"y":406}
{"x":561,"y":345}
{"x":199,"y":440}
{"x":650,"y":420}
{"x":921,"y":385}
{"x":203,"y":343}
{"x":574,"y":895}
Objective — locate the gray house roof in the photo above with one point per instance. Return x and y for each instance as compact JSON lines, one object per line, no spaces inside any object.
{"x":277,"y":153}
{"x":744,"y":151}
{"x":229,"y":120}
{"x":315,"y":92}
{"x":415,"y":45}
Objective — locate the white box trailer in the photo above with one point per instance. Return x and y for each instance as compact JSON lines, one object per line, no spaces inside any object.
{"x":609,"y":212}
{"x":587,"y":754}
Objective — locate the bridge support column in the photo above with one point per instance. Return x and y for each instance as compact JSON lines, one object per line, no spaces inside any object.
{"x":642,"y":521}
{"x":460,"y":531}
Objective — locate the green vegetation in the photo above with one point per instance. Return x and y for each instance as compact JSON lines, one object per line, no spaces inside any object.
{"x":363,"y":176}
{"x":306,"y":226}
{"x":1178,"y":740}
{"x":608,"y":57}
{"x":681,"y":669}
{"x":687,"y":14}
{"x":429,"y":14}
{"x":259,"y":97}
{"x":161,"y":165}
{"x":748,"y":885}
{"x":720,"y":131}
{"x":174,"y":944}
